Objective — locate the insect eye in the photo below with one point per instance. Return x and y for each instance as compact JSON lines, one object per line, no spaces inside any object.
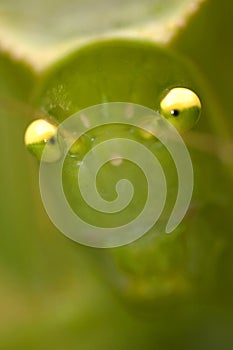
{"x":39,"y":133}
{"x":181,"y":106}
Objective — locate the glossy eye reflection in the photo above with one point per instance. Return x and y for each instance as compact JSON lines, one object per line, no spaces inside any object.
{"x":182,"y":107}
{"x":39,"y":133}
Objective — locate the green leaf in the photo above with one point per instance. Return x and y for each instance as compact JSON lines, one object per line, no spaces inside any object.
{"x":43,"y":31}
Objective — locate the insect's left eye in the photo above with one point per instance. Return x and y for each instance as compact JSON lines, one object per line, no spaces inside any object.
{"x":39,"y":133}
{"x":182,"y":107}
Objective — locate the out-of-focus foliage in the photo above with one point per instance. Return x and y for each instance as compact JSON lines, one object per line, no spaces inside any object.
{"x":55,"y":293}
{"x":42,"y":31}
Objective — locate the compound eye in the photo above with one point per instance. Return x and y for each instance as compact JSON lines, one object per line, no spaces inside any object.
{"x":182,"y":107}
{"x":39,"y":133}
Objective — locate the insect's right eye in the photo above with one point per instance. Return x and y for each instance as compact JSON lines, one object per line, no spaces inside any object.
{"x":39,"y":133}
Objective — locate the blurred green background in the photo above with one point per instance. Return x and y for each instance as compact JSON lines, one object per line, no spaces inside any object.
{"x":56,"y":294}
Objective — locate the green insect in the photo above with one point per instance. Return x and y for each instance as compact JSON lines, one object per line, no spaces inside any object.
{"x":119,"y":71}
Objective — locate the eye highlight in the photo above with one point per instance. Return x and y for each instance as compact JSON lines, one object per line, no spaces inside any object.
{"x":39,"y":133}
{"x":175,"y":112}
{"x":182,"y":107}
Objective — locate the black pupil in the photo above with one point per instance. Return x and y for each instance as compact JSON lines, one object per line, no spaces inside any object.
{"x":52,"y":140}
{"x":175,"y":112}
